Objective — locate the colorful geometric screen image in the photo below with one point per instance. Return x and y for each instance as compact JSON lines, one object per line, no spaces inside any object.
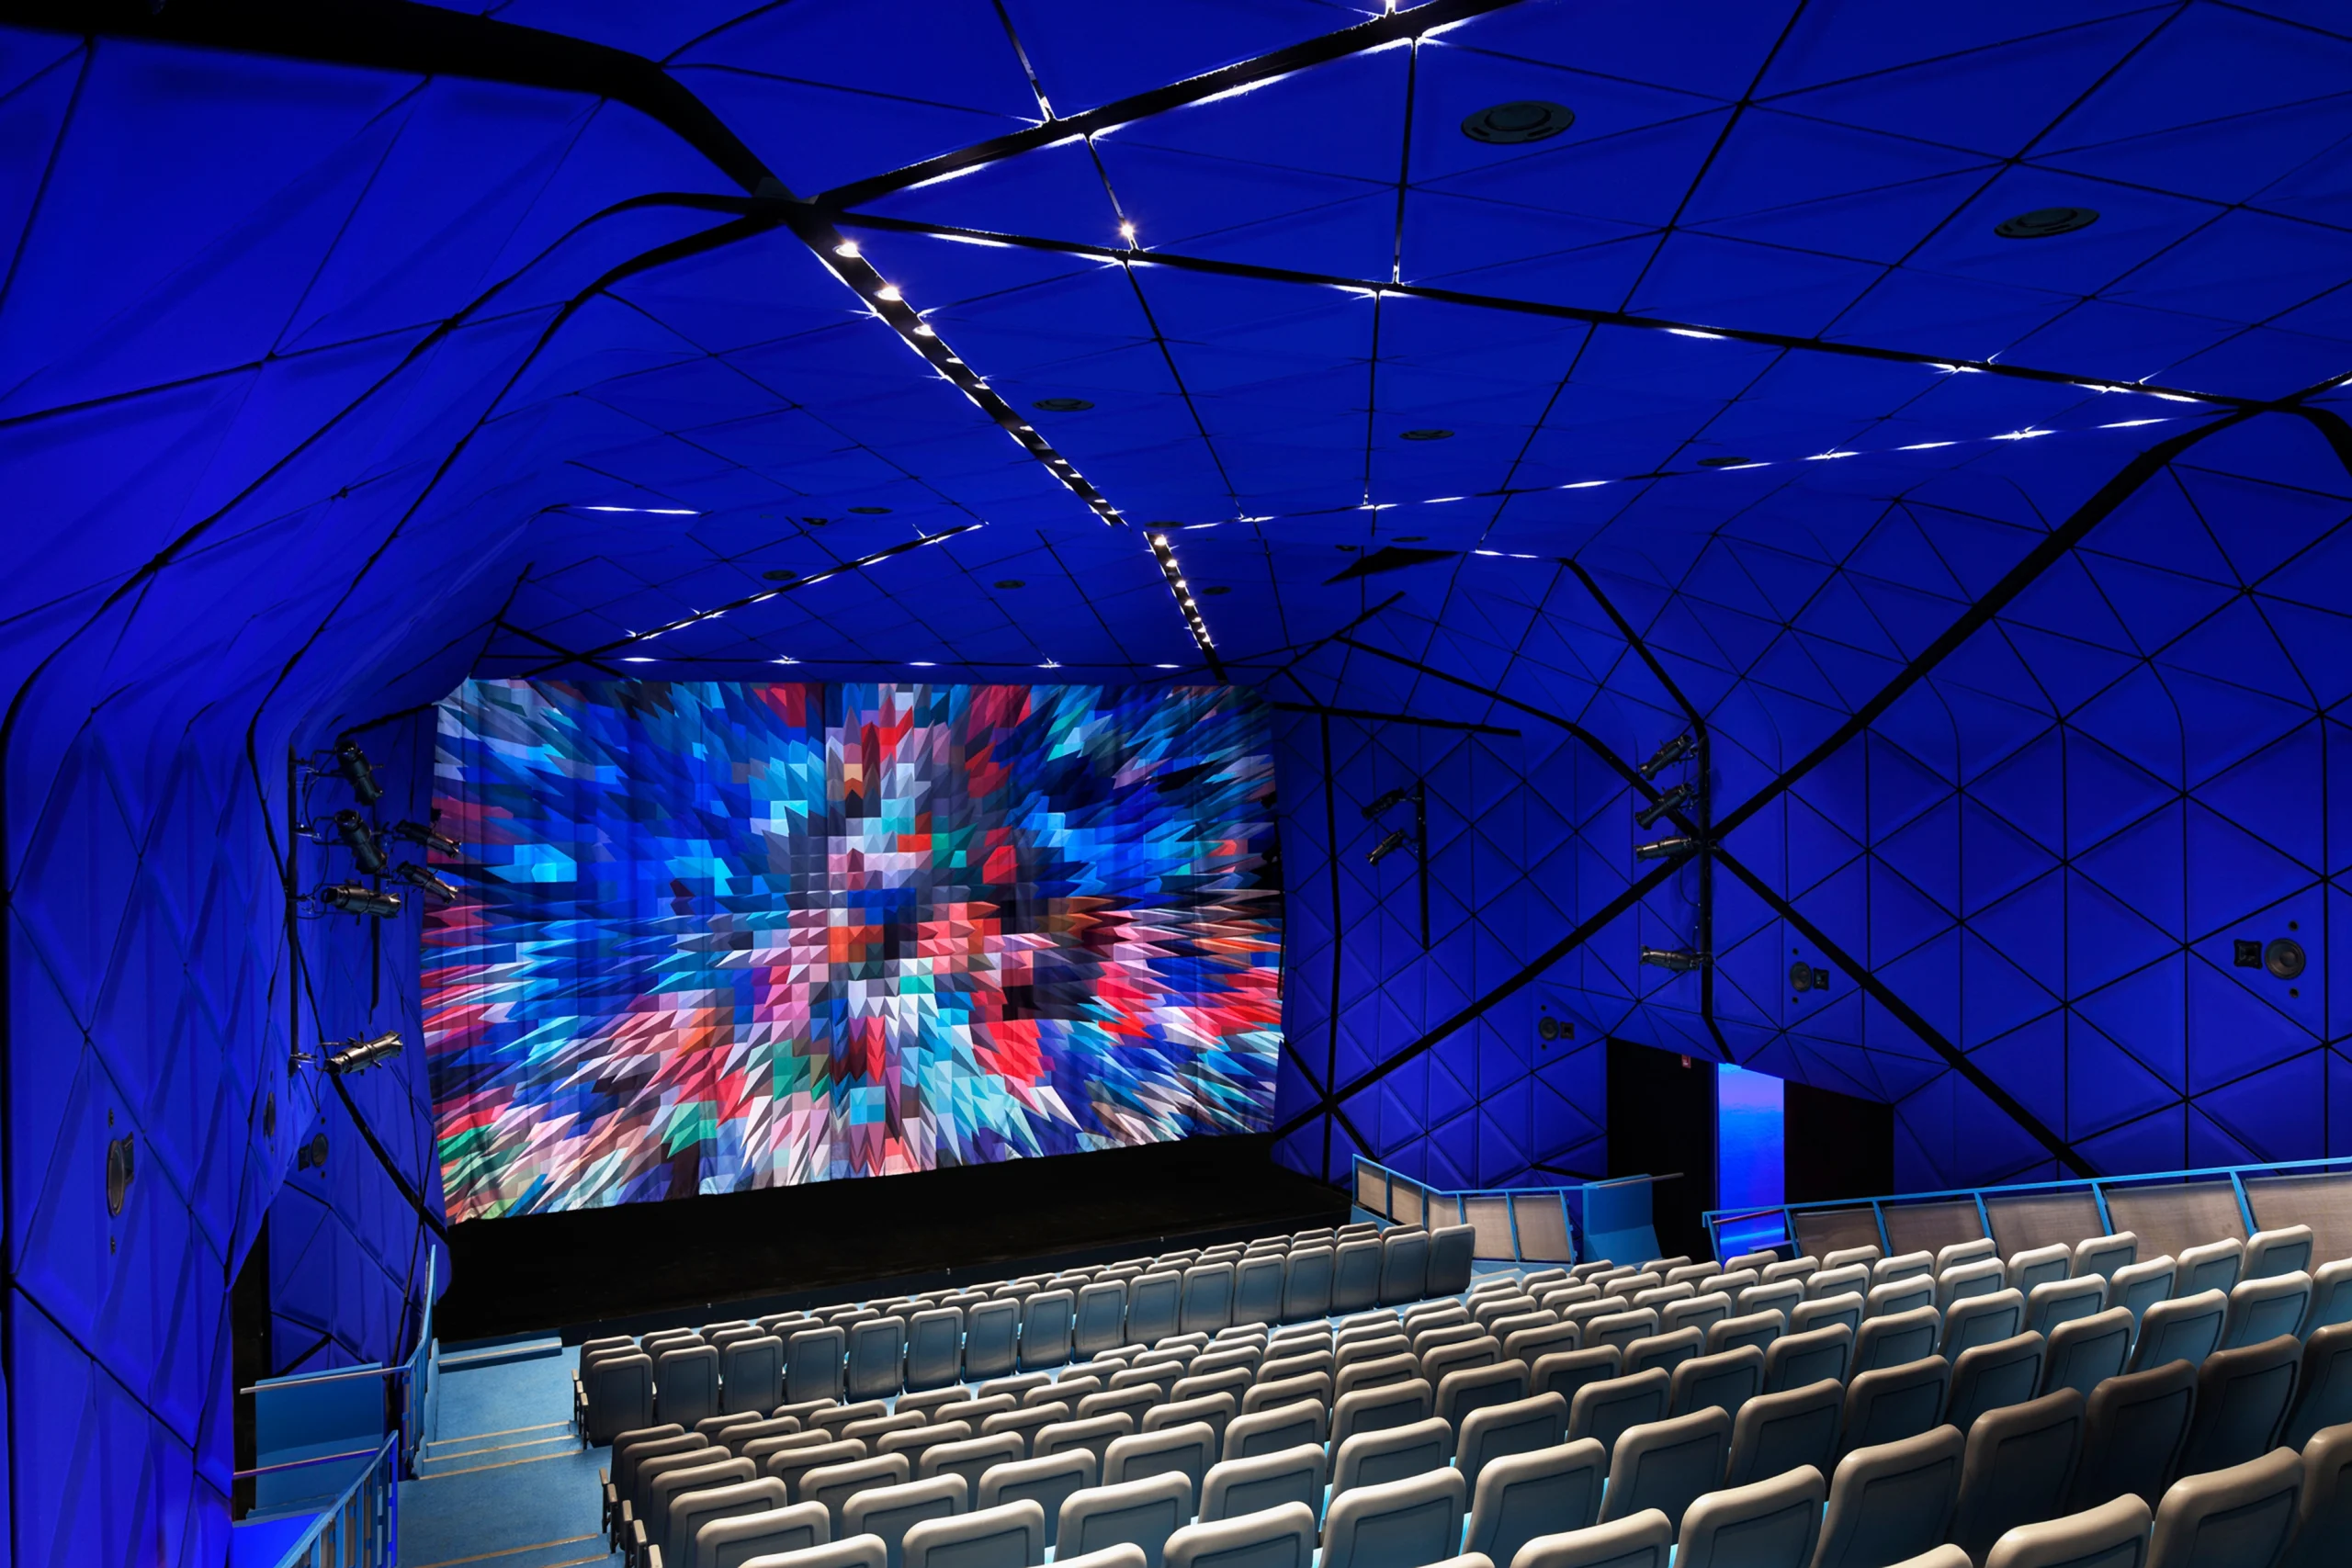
{"x":716,"y":936}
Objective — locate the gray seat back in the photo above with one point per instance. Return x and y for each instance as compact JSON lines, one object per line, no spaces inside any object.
{"x":1493,"y":1431}
{"x":1845,"y":1310}
{"x":1283,"y":1536}
{"x":2243,"y":1397}
{"x":877,"y":1361}
{"x":1045,"y":1322}
{"x":1154,"y":1301}
{"x":1102,"y":1317}
{"x":835,"y":1484}
{"x":1644,"y":1540}
{"x":1564,"y":1372}
{"x":2113,"y":1535}
{"x":1141,"y":1513}
{"x":812,"y":1364}
{"x":1982,"y":1320}
{"x":1968,"y":1280}
{"x":2187,"y":1328}
{"x":1400,"y":1524}
{"x":1666,"y":1465}
{"x":2324,"y":1390}
{"x":1307,"y":1283}
{"x":2141,"y":1285}
{"x":686,"y":1384}
{"x":2212,"y":1267}
{"x":2133,"y":1427}
{"x":1047,"y":1481}
{"x":1528,"y":1344}
{"x":1355,"y":1274}
{"x":1207,"y":1298}
{"x":1370,"y":1459}
{"x":620,"y":1396}
{"x":1373,"y":1409}
{"x":1452,"y":1252}
{"x":1010,"y":1535}
{"x":1796,"y":1360}
{"x":1520,"y":1496}
{"x":2324,"y":1518}
{"x":788,"y":1465}
{"x":1989,"y":1376}
{"x":1473,"y":1388}
{"x":970,"y":1458}
{"x":1188,"y":1450}
{"x":732,"y":1542}
{"x":991,"y":1337}
{"x":2019,"y":1468}
{"x":1890,"y":1501}
{"x":1272,"y":1428}
{"x":2283,"y":1251}
{"x":864,"y":1552}
{"x":889,"y":1512}
{"x":2040,"y":1266}
{"x":659,"y":1492}
{"x":1258,"y":1289}
{"x":1726,"y":1381}
{"x":1663,"y":1351}
{"x":2083,"y":1352}
{"x":934,"y":1346}
{"x":2331,"y":1296}
{"x":1887,"y":1407}
{"x":1237,"y":1486}
{"x":2062,"y":1301}
{"x":1895,"y":1339}
{"x":1404,"y":1264}
{"x":1603,"y":1411}
{"x":2240,"y":1517}
{"x":1909,"y":1294}
{"x":2105,"y":1254}
{"x":2264,"y":1308}
{"x":1773,"y":1523}
{"x":1773,"y":1433}
{"x":1756,"y":1328}
{"x":1094,"y":1432}
{"x":750,"y":1374}
{"x":1701,"y":1313}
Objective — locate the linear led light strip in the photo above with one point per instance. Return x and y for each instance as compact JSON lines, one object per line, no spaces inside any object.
{"x":882,"y":297}
{"x":761,"y":598}
{"x":1183,"y":592}
{"x":2029,"y":434}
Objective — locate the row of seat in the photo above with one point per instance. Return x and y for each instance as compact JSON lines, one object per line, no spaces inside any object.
{"x":680,"y":1375}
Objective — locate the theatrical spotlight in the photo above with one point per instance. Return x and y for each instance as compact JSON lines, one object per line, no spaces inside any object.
{"x":352,"y":899}
{"x":1667,"y":755}
{"x":425,"y":837}
{"x":1397,"y":839}
{"x":1675,"y":799}
{"x":1395,"y":797}
{"x":1665,"y":849}
{"x":351,"y":830}
{"x":1681,"y":960}
{"x":351,"y":763}
{"x":357,"y":1055}
{"x":425,"y":881}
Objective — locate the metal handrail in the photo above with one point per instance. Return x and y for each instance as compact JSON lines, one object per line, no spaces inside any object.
{"x":2097,"y":1186}
{"x":1572,"y":1220}
{"x":361,"y":1528}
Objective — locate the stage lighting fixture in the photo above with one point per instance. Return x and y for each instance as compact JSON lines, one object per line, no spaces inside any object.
{"x":424,"y":880}
{"x":1675,"y":799}
{"x":1667,"y":753}
{"x":1665,"y":849}
{"x":1679,"y":960}
{"x":1395,"y":797}
{"x":352,"y":764}
{"x":356,"y":900}
{"x":352,"y":829}
{"x":357,"y":1056}
{"x":417,"y":833}
{"x":1397,"y":839}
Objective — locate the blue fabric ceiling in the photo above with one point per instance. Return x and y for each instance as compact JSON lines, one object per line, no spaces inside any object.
{"x":350,"y":352}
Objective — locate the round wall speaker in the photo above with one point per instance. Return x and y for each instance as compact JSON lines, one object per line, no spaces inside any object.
{"x":119,"y":1170}
{"x":1800,"y":976}
{"x":1529,"y":119}
{"x":1549,"y":1028}
{"x":2284,"y":958}
{"x":2043,"y":222}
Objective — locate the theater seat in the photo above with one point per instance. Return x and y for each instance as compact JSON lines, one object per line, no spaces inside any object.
{"x":2086,"y":1351}
{"x":1370,"y":1459}
{"x":812,"y":1364}
{"x":2018,"y":1469}
{"x":2139,"y":1286}
{"x":2323,"y":1516}
{"x":1666,"y":1465}
{"x":2187,"y":1328}
{"x":865,"y":1551}
{"x":2240,"y":1517}
{"x":2324,"y":1388}
{"x":2243,"y":1397}
{"x":731,"y":1543}
{"x":2133,"y":1427}
{"x":1897,"y":1339}
{"x":876,"y":1363}
{"x":1644,"y":1540}
{"x":750,"y":1374}
{"x":1237,"y":1486}
{"x":934,"y":1347}
{"x":1891,"y":1500}
{"x":1154,"y":1303}
{"x":2264,"y":1308}
{"x":1889,"y":1406}
{"x":835,"y":1484}
{"x":1012,"y":1535}
{"x":2063,"y":1300}
{"x":619,"y":1398}
{"x":1306,"y":1283}
{"x":1049,"y":1483}
{"x":1188,"y":1450}
{"x":889,"y":1512}
{"x":1046,"y":1320}
{"x":1270,"y":1430}
{"x":1207,"y":1299}
{"x":1402,"y":1524}
{"x":2212,"y":1267}
{"x":686,"y":1384}
{"x":1283,"y":1537}
{"x":1355,"y":1274}
{"x":1496,"y":1431}
{"x":1775,"y":1433}
{"x":2106,"y":1254}
{"x":1452,"y":1250}
{"x":2040,"y":1266}
{"x":1258,"y":1289}
{"x":1796,"y":1360}
{"x":1521,"y":1497}
{"x":1989,"y":1376}
{"x":1404,"y":1264}
{"x":2113,"y":1535}
{"x":1767,"y":1524}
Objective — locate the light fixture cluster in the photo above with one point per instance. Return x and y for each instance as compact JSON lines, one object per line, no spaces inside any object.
{"x":889,"y":304}
{"x":1178,"y":587}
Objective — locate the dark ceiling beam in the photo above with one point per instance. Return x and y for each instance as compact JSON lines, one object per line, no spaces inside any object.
{"x":1177,"y":261}
{"x":1383,"y":29}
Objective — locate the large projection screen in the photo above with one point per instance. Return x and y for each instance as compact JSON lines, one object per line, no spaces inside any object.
{"x":716,"y":936}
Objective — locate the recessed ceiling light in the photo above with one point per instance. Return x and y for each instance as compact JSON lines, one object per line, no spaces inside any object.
{"x":1721,"y":462}
{"x":1213,"y":591}
{"x":2043,"y":221}
{"x":920,"y":663}
{"x":1425,"y":436}
{"x":1062,"y":405}
{"x":1011,"y":582}
{"x":870,"y":511}
{"x":1166,"y":667}
{"x":780,"y":575}
{"x":637,"y":661}
{"x":846,"y":248}
{"x":888,"y":291}
{"x":1529,"y":120}
{"x":1127,"y":232}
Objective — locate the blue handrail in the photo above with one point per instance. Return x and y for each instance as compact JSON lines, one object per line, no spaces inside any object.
{"x":361,"y":1528}
{"x":1470,"y":1205}
{"x":2096,"y":1186}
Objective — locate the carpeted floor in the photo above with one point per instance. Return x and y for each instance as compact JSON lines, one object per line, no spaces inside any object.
{"x":506,"y":1484}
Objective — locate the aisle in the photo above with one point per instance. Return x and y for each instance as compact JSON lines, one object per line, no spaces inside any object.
{"x":506,"y":1484}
